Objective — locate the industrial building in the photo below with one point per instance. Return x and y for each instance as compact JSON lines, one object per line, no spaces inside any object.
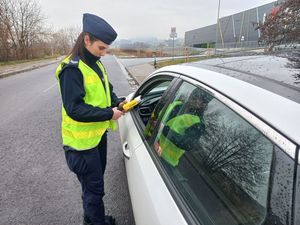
{"x":232,"y":31}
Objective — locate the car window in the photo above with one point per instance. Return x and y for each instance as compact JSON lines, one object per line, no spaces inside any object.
{"x":281,"y":192}
{"x":160,"y":87}
{"x":218,"y":162}
{"x":151,"y":96}
{"x":297,"y":200}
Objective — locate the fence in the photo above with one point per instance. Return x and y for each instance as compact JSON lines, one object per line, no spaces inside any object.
{"x":240,"y":44}
{"x":178,"y":51}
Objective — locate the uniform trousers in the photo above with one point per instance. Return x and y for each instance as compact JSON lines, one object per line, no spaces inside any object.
{"x":89,"y":166}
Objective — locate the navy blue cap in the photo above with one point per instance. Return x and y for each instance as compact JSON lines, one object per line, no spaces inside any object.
{"x":99,"y":28}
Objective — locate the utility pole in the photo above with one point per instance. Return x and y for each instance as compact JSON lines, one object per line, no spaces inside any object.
{"x":173,"y":47}
{"x":217,"y":26}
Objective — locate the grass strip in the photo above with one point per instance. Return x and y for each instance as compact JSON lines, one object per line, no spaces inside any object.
{"x":175,"y":61}
{"x":16,"y":62}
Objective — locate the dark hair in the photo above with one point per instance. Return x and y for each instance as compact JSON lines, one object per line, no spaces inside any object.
{"x":198,"y":93}
{"x":78,"y":48}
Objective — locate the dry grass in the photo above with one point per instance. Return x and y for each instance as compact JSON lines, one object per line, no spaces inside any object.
{"x":183,"y":60}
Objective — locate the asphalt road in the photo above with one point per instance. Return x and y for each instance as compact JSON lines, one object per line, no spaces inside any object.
{"x":36,"y":187}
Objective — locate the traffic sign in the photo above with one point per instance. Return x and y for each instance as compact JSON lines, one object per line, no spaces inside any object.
{"x":173,"y":32}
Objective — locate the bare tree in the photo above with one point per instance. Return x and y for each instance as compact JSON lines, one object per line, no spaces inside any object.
{"x":4,"y":44}
{"x":23,"y":22}
{"x":63,"y":40}
{"x":241,"y":154}
{"x":236,"y":154}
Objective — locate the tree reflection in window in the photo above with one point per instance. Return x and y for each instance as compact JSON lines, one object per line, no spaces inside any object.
{"x":235,"y":160}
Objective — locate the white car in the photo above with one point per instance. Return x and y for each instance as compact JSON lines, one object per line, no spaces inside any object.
{"x":206,"y":148}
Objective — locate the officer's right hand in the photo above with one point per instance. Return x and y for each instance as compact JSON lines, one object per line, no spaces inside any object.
{"x":117,"y":113}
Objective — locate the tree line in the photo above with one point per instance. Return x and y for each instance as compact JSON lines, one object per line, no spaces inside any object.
{"x":25,"y":35}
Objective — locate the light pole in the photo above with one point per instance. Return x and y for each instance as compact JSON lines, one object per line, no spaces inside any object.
{"x":217,"y":26}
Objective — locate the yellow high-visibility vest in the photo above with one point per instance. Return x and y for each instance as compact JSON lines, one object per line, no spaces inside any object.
{"x":170,"y":152}
{"x":87,"y":135}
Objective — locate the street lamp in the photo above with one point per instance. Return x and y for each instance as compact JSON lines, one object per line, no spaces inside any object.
{"x":217,"y":26}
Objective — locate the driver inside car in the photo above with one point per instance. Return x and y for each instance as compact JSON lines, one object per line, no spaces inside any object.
{"x":182,"y":127}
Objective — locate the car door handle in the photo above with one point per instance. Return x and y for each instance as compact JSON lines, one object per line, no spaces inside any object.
{"x":126,"y":152}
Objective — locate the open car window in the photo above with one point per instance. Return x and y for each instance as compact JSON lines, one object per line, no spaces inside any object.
{"x":152,"y":95}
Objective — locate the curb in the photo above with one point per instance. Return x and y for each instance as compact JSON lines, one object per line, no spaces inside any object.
{"x":126,"y":72}
{"x":27,"y":69}
{"x":132,"y":77}
{"x":123,"y":68}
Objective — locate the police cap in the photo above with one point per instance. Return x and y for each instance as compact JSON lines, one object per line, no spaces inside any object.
{"x":99,"y":28}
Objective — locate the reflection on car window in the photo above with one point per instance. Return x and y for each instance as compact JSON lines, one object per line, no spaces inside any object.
{"x":151,"y":98}
{"x":297,"y":207}
{"x":281,"y":193}
{"x":161,"y":87}
{"x":217,"y":160}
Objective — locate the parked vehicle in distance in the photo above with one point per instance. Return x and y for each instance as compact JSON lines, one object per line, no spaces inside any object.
{"x":206,"y":148}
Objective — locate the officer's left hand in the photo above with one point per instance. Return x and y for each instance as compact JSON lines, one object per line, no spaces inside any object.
{"x":116,"y":113}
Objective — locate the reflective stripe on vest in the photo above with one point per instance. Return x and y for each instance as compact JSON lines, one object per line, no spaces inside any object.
{"x":87,"y":135}
{"x":170,"y":152}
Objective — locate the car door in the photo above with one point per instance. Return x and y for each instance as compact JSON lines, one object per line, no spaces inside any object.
{"x":151,"y":200}
{"x":234,"y":169}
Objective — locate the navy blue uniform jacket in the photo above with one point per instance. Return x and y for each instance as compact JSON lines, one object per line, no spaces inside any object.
{"x":72,"y":91}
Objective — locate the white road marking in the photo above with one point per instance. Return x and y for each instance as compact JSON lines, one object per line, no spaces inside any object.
{"x":122,"y":67}
{"x":53,"y":85}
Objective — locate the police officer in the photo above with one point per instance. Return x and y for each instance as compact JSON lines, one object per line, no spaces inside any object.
{"x":90,"y":107}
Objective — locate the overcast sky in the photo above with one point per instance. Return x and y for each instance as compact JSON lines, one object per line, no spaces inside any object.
{"x":138,"y":18}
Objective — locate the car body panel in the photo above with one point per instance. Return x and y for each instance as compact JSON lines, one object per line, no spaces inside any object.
{"x":151,"y":201}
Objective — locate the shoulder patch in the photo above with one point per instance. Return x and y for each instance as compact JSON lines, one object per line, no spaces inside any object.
{"x":74,"y":61}
{"x":71,"y":64}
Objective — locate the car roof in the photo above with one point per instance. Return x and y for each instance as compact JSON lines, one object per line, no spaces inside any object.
{"x":279,"y":112}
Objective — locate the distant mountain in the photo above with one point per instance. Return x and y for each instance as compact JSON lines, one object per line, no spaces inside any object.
{"x":149,"y":40}
{"x":146,"y":42}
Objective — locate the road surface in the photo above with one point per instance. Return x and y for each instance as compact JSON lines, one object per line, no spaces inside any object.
{"x":36,"y":187}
